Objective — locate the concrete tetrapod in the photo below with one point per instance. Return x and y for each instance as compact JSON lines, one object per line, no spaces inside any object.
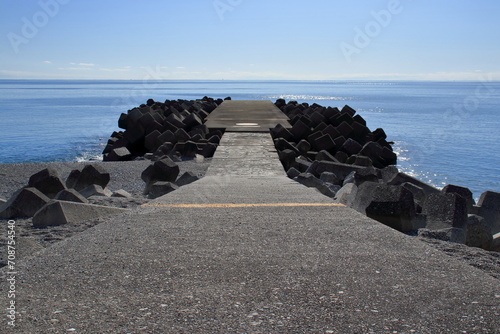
{"x":57,"y":213}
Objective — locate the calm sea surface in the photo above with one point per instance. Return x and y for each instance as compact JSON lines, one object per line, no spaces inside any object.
{"x":444,"y":132}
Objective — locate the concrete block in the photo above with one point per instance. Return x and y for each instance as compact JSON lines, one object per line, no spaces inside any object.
{"x":95,"y":190}
{"x":308,"y":179}
{"x":92,"y":174}
{"x":340,"y":169}
{"x":325,"y":156}
{"x":300,"y":130}
{"x":24,"y":203}
{"x":392,"y":206}
{"x":445,"y":211}
{"x":478,"y":232}
{"x":118,"y":154}
{"x":47,"y":181}
{"x":401,"y":178}
{"x":57,"y":213}
{"x":162,"y":170}
{"x":71,"y":195}
{"x":489,"y":209}
{"x":151,"y":141}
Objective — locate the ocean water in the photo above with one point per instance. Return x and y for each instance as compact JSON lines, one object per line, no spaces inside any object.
{"x":444,"y":132}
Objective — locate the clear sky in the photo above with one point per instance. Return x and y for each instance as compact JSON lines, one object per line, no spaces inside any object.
{"x":250,"y":39}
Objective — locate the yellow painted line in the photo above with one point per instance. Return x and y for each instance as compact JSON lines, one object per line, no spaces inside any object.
{"x":240,"y":205}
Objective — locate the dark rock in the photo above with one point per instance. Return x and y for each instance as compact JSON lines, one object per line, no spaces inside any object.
{"x":71,"y":195}
{"x":445,"y":210}
{"x":47,"y":181}
{"x":392,"y":206}
{"x":92,"y":174}
{"x":24,"y":203}
{"x":161,"y":188}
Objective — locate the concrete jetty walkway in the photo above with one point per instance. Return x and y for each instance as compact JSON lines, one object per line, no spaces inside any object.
{"x":247,"y":250}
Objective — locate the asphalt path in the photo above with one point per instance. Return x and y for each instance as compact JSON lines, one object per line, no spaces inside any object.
{"x":248,"y":251}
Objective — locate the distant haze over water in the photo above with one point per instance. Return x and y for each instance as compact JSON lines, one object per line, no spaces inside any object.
{"x":444,"y":132}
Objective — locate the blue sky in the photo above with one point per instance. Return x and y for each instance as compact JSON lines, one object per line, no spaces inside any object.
{"x":250,"y":39}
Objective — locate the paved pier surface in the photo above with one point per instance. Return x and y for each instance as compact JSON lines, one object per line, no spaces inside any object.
{"x":247,"y":116}
{"x":247,"y":250}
